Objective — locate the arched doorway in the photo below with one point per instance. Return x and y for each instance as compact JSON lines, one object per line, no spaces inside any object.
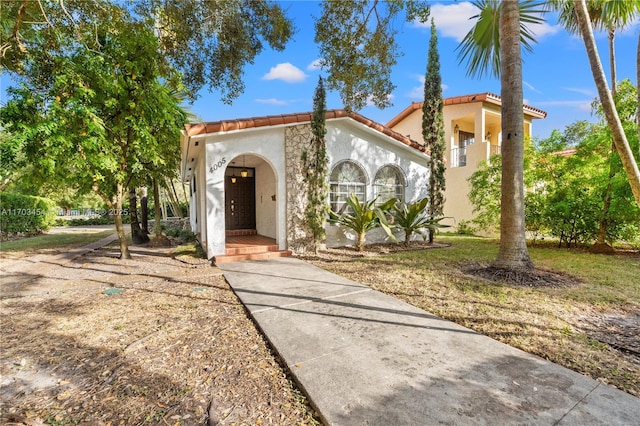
{"x":240,"y":196}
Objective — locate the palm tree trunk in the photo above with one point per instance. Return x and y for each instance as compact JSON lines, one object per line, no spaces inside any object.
{"x":360,"y":243}
{"x":513,"y":253}
{"x":613,"y":120}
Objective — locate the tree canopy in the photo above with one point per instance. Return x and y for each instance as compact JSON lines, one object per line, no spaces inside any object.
{"x":98,"y":108}
{"x":358,"y":48}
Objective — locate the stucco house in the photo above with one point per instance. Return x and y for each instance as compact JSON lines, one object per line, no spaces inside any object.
{"x":472,"y":133}
{"x":247,"y":181}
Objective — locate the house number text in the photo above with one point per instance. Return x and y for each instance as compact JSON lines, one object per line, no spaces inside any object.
{"x":219,"y":164}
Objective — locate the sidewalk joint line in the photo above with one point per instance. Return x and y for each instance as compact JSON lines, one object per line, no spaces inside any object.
{"x":577,"y":403}
{"x":318,"y":299}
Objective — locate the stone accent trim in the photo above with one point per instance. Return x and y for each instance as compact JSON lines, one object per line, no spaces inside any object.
{"x":296,"y":141}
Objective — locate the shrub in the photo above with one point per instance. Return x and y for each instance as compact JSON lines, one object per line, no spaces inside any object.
{"x":465,"y":228}
{"x":363,"y":217}
{"x":25,"y":214}
{"x":183,"y":234}
{"x":100,"y":220}
{"x":412,"y":218}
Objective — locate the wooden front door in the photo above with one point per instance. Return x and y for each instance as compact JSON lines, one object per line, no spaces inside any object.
{"x":240,"y":203}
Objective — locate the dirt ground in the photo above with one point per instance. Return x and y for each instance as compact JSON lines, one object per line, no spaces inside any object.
{"x":153,"y":340}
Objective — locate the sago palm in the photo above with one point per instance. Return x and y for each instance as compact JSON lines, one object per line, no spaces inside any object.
{"x":413,"y":219}
{"x":363,"y":217}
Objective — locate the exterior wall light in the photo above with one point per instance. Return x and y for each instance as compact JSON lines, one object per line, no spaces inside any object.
{"x":244,"y":172}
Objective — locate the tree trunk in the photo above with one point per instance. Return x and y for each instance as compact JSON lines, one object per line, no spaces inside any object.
{"x":513,"y":253}
{"x":613,"y":120}
{"x":612,"y":60}
{"x":137,"y":235}
{"x":638,"y":82}
{"x":117,"y":218}
{"x":144,"y":211}
{"x":157,"y":227}
{"x":173,"y":198}
{"x":601,"y":240}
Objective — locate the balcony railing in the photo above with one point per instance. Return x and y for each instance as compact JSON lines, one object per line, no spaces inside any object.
{"x":494,"y":149}
{"x":459,"y":157}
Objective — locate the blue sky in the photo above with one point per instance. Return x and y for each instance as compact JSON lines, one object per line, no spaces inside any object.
{"x":556,"y":76}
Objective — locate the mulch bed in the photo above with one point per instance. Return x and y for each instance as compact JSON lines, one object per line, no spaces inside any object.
{"x":533,"y":277}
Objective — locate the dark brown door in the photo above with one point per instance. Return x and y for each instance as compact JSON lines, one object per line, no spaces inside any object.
{"x":240,"y":203}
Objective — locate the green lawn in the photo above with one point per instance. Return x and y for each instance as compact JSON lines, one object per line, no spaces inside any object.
{"x":53,"y":241}
{"x":549,"y":322}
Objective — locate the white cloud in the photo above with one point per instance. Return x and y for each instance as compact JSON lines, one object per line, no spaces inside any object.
{"x":530,"y":87}
{"x":586,"y":92}
{"x":271,"y":101}
{"x":285,"y":72}
{"x":578,"y":104}
{"x":315,"y":65}
{"x":370,"y":100}
{"x":544,"y":29}
{"x":454,"y":20}
{"x":417,"y":92}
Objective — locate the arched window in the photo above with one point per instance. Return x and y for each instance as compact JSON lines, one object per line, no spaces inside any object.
{"x":346,"y":177}
{"x":389,"y":183}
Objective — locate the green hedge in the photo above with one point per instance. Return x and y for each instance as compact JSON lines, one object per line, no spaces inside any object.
{"x":25,"y":215}
{"x":100,"y":220}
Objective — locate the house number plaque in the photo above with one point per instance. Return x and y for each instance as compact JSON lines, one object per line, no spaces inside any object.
{"x":218,"y":165}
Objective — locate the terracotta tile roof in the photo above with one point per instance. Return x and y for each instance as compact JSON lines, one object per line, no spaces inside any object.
{"x":194,"y":129}
{"x":567,"y":152}
{"x":466,"y":99}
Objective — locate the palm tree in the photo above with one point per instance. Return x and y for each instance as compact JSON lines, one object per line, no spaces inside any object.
{"x":613,"y":120}
{"x":513,"y":253}
{"x":609,"y":16}
{"x":493,"y":45}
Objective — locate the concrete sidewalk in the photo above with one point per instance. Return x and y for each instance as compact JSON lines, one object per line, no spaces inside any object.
{"x":365,"y":358}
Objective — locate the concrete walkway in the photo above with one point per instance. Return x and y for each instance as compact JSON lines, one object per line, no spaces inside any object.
{"x":365,"y":358}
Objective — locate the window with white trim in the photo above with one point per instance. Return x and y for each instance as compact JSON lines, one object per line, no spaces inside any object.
{"x":389,"y":183}
{"x":346,"y":177}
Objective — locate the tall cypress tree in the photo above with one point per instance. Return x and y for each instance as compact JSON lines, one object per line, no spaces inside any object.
{"x":316,"y":163}
{"x":433,"y":128}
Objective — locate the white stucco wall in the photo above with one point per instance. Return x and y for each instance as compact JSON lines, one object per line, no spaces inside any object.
{"x":346,"y":139}
{"x":370,"y":149}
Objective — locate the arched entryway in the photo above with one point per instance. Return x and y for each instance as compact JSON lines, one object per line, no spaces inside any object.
{"x":240,"y":196}
{"x":251,"y":219}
